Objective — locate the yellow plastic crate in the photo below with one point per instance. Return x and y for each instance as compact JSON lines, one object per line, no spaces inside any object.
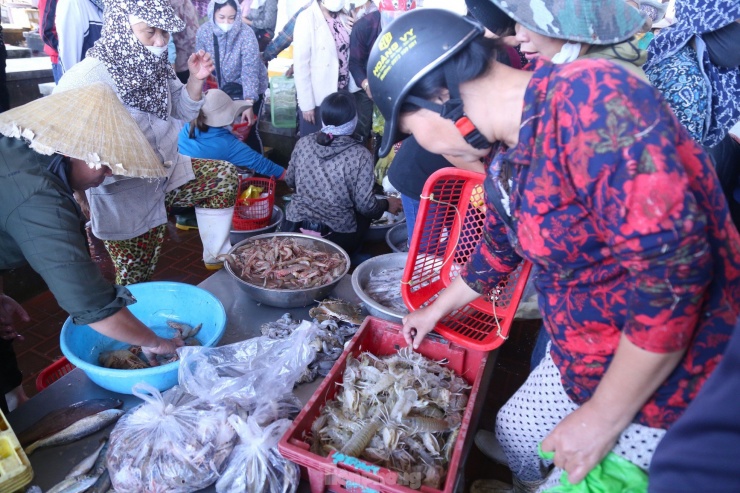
{"x":15,"y":469}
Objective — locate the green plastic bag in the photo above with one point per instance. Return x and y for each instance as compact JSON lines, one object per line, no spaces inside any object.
{"x":612,"y":475}
{"x":378,"y":121}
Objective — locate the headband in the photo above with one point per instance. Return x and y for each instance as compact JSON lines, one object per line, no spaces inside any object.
{"x":343,"y":129}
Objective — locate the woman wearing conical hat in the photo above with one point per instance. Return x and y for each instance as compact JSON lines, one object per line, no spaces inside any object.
{"x":46,"y":154}
{"x":129,"y":214}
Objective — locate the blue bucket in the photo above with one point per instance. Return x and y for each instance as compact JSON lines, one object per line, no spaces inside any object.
{"x":156,"y":302}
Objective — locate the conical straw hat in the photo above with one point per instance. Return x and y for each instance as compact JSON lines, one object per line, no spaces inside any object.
{"x":88,"y":123}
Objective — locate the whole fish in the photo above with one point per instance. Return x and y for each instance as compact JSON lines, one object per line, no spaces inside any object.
{"x":101,"y":464}
{"x":102,"y":485}
{"x":74,"y":485}
{"x":60,"y":419}
{"x":88,"y":462}
{"x":82,"y":428}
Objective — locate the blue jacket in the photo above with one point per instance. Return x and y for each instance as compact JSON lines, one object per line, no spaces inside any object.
{"x":220,"y":143}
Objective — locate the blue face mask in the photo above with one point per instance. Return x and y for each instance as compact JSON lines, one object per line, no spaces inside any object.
{"x":722,"y":45}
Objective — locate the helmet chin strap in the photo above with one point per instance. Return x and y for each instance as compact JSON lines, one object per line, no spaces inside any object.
{"x":453,"y":110}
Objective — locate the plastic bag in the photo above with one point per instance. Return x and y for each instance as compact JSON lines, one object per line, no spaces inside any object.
{"x":613,"y":474}
{"x":173,"y":441}
{"x":250,"y":371}
{"x":256,"y":466}
{"x":266,"y":411}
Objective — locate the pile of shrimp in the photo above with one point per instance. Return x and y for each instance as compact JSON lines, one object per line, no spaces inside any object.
{"x":402,"y":412}
{"x":284,"y":263}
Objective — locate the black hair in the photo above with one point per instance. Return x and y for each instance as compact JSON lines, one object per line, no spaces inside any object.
{"x":337,"y":109}
{"x":219,"y":6}
{"x":200,"y":123}
{"x":470,"y":63}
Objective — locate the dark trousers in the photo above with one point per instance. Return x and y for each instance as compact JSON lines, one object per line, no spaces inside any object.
{"x":10,"y":375}
{"x":349,"y":242}
{"x":306,"y":128}
{"x":364,"y":115}
{"x":4,"y":95}
{"x":726,"y":158}
{"x":253,"y":139}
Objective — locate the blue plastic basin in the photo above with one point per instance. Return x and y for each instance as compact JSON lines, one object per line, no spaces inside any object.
{"x":156,"y":303}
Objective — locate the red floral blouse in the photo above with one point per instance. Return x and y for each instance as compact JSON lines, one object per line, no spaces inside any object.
{"x":624,"y":217}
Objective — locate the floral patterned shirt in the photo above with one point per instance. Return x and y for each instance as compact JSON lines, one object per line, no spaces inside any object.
{"x":624,"y":216}
{"x":341,"y":39}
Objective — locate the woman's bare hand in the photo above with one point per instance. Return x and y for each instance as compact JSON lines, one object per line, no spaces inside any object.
{"x":580,"y":441}
{"x":417,"y":324}
{"x":309,"y":116}
{"x":394,"y":205}
{"x":164,"y":346}
{"x":248,"y":116}
{"x":200,"y":65}
{"x":10,"y":310}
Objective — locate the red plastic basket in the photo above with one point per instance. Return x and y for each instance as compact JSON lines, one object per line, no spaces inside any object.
{"x":448,"y":227}
{"x":254,"y":213}
{"x":53,"y":372}
{"x":340,"y":473}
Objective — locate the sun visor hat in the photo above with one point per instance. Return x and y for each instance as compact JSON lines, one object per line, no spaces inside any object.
{"x":493,"y":18}
{"x":406,"y":51}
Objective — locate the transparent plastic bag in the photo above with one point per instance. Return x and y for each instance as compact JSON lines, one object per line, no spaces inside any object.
{"x":256,"y":466}
{"x":266,"y":411}
{"x":250,"y":371}
{"x":173,"y":441}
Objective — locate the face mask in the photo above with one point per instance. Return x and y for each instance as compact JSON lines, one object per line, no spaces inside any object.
{"x":156,"y":50}
{"x":224,"y":27}
{"x":333,"y":5}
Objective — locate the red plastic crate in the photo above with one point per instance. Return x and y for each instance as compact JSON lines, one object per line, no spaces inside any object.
{"x":448,"y":227}
{"x":254,"y":213}
{"x":53,"y":372}
{"x":340,"y":473}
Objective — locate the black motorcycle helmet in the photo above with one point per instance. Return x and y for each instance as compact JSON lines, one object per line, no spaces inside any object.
{"x":493,"y":18}
{"x":412,"y":46}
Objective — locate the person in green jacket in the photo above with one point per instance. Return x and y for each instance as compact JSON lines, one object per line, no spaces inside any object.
{"x":50,"y":148}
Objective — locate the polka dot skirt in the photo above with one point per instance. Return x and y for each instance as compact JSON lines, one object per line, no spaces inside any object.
{"x":532,"y":413}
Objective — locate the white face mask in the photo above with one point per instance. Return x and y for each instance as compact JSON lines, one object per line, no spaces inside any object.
{"x":156,"y":50}
{"x":333,"y":5}
{"x":224,"y":27}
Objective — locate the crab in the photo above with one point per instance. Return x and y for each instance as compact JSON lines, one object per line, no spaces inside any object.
{"x":335,"y":309}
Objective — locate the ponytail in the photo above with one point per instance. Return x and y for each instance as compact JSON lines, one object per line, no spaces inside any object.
{"x":200,"y":123}
{"x":324,"y":139}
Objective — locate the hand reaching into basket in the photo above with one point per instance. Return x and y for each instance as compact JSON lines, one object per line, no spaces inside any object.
{"x":163,"y":347}
{"x":417,"y":324}
{"x":394,"y":205}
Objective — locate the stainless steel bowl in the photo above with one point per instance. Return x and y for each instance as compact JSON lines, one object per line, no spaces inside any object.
{"x":290,"y":298}
{"x":361,"y":276}
{"x":238,"y":235}
{"x":397,"y":238}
